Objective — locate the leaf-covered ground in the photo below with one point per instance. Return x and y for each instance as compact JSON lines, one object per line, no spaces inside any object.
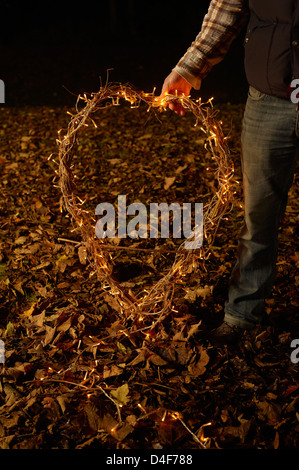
{"x":72,"y":377}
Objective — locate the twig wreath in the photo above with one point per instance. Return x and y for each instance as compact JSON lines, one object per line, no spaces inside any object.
{"x":146,"y":310}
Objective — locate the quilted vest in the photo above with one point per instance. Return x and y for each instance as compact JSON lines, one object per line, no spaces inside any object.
{"x":272,"y":45}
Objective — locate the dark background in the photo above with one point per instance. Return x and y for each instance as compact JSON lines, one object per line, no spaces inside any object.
{"x":50,"y":52}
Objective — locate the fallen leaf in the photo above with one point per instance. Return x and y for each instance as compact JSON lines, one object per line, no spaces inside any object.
{"x":239,"y":432}
{"x":28,"y":312}
{"x":141,"y":357}
{"x":93,"y":417}
{"x":50,"y":332}
{"x":276,"y":441}
{"x":121,"y":394}
{"x":193,"y":330}
{"x":198,"y":368}
{"x":5,"y":441}
{"x":203,"y":292}
{"x":82,"y":253}
{"x":180,"y":169}
{"x":168,"y":182}
{"x":157,"y":360}
{"x":112,"y":371}
{"x":269,"y":412}
{"x":63,"y":402}
{"x":20,"y":240}
{"x":145,"y":136}
{"x":9,"y":329}
{"x":65,"y":325}
{"x":41,"y":265}
{"x":123,"y":431}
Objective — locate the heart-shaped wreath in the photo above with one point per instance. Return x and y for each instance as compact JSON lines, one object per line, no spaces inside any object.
{"x":153,"y":306}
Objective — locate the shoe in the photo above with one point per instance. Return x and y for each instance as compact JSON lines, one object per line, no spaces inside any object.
{"x":225,"y":334}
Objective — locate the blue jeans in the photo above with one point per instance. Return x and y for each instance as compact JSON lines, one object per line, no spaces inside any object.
{"x":270,"y":146}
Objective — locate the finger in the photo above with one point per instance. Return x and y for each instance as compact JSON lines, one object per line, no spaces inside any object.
{"x":175,"y":107}
{"x":165,"y":89}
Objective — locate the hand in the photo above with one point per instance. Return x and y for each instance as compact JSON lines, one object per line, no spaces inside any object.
{"x":172,"y":84}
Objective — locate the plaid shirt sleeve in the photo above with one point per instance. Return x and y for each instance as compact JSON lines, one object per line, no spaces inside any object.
{"x":222,"y":23}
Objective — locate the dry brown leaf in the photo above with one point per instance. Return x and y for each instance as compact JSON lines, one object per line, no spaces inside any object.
{"x":93,"y":417}
{"x":199,"y":367}
{"x":112,"y":371}
{"x":184,"y":353}
{"x":37,"y":320}
{"x":41,"y":265}
{"x":141,"y":357}
{"x":65,"y":325}
{"x":180,"y":169}
{"x":239,"y":432}
{"x":276,"y":441}
{"x":50,"y":332}
{"x":203,"y":292}
{"x":28,"y":312}
{"x":168,"y":182}
{"x":82,"y":253}
{"x":5,"y":442}
{"x":121,"y":394}
{"x":193,"y":330}
{"x":20,"y":240}
{"x":269,"y":411}
{"x":157,"y":360}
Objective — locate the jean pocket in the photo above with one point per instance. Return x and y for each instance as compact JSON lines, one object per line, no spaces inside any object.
{"x":255,"y":94}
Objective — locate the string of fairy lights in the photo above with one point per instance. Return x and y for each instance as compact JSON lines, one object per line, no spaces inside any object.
{"x":90,"y":385}
{"x":147,"y":309}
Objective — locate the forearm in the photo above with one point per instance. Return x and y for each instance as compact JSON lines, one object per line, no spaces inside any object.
{"x":223,"y":22}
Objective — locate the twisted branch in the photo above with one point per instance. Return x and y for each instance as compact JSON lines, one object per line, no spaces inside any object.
{"x":157,"y":303}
